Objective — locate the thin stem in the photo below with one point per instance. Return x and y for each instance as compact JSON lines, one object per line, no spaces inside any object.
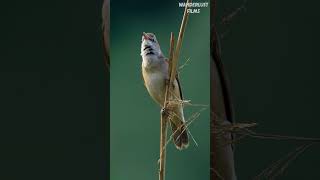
{"x":163,"y":125}
{"x":173,"y":61}
{"x":179,"y":43}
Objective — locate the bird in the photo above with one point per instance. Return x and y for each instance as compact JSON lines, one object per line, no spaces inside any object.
{"x":155,"y":75}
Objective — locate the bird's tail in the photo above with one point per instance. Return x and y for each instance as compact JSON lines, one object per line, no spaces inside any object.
{"x":179,"y":134}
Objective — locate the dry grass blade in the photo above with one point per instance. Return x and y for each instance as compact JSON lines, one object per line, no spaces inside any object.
{"x":179,"y":43}
{"x":173,"y":61}
{"x":183,"y":65}
{"x":217,"y":173}
{"x":192,"y":118}
{"x":277,"y":168}
{"x":164,"y":116}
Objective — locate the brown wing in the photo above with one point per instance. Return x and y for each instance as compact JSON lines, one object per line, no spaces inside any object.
{"x":180,"y":90}
{"x":178,"y":81}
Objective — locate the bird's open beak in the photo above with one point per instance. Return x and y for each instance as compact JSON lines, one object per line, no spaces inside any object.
{"x":145,"y":36}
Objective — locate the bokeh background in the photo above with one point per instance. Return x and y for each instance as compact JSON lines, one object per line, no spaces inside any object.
{"x":271,"y":54}
{"x":54,"y":91}
{"x":135,"y":118}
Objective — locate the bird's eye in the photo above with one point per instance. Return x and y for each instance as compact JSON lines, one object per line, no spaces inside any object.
{"x":153,"y":40}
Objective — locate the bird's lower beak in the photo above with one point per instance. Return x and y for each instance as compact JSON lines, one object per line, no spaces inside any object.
{"x":145,"y":36}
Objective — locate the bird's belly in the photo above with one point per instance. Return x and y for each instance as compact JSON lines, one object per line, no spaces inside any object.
{"x":156,"y":87}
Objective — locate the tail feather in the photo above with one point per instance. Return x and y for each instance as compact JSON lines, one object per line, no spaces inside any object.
{"x":180,"y":135}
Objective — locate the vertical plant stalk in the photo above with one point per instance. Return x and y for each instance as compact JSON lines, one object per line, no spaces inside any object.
{"x":106,"y":32}
{"x":179,"y":43}
{"x":164,"y":120}
{"x":173,"y":61}
{"x":221,"y":155}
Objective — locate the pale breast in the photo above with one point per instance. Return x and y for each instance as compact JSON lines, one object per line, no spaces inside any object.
{"x":155,"y":84}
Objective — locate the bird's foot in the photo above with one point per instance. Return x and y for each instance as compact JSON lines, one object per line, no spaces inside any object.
{"x":163,"y":111}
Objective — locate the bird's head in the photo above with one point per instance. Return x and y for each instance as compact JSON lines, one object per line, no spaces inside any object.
{"x":149,"y":38}
{"x":149,"y":43}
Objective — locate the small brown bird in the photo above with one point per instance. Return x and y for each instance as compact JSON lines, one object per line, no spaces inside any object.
{"x":155,"y":74}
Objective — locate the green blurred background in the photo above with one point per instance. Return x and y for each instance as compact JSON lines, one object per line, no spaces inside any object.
{"x":135,"y":118}
{"x":271,"y":53}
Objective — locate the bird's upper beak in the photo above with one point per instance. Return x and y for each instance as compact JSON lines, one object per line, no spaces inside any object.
{"x":145,"y":36}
